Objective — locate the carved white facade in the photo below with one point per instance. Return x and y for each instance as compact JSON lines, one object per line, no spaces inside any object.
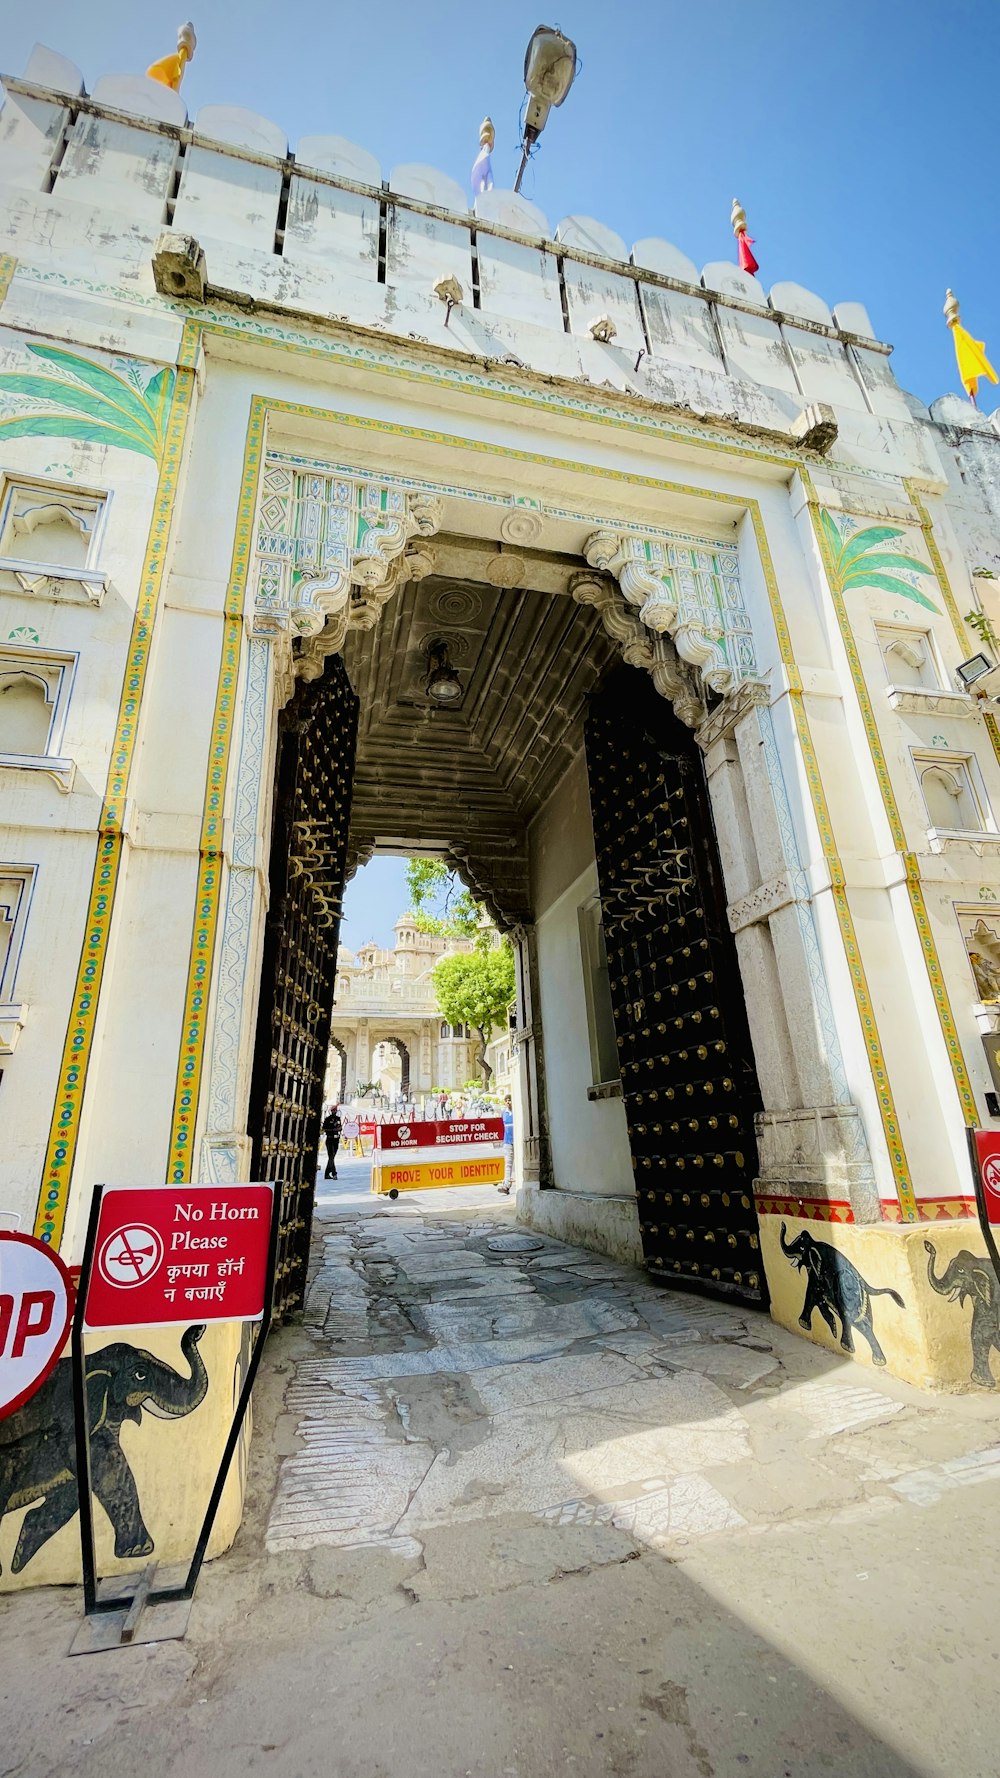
{"x":210,"y":501}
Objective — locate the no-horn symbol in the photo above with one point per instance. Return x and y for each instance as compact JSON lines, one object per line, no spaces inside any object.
{"x":130,"y":1255}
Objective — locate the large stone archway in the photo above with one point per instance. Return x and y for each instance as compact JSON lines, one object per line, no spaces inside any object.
{"x":532,"y":631}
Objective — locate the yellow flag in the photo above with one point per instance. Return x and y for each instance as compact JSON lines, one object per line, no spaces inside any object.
{"x":972,"y":360}
{"x":170,"y":71}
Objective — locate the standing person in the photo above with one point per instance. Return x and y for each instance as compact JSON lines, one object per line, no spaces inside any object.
{"x":332,"y":1128}
{"x":508,"y":1145}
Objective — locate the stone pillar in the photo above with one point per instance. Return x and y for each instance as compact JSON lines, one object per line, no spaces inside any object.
{"x":362,"y":1052}
{"x":810,"y":1135}
{"x":528,"y":1067}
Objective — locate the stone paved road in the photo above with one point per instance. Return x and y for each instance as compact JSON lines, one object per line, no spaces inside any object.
{"x":516,"y":1510}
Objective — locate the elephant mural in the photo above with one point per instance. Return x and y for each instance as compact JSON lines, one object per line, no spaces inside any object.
{"x":836,"y":1288}
{"x":968,"y":1275}
{"x":38,"y":1448}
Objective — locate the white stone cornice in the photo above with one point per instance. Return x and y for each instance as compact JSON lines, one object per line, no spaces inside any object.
{"x":51,"y":580}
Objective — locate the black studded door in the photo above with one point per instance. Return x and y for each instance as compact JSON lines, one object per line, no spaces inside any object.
{"x":688,"y":1076}
{"x":317,"y":738}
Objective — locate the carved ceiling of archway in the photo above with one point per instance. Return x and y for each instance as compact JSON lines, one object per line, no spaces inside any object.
{"x":466,"y":782}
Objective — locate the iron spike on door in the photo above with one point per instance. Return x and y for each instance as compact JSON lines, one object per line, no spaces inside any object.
{"x":317,"y":740}
{"x":689,"y":1082}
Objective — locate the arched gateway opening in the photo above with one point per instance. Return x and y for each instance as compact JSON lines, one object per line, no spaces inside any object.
{"x":572,"y":800}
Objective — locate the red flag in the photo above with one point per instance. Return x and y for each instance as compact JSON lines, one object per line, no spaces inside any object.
{"x":747,"y":261}
{"x":744,"y":242}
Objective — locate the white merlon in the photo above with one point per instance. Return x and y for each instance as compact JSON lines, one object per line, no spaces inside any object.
{"x":345,"y":160}
{"x":137,"y":93}
{"x":854,"y":318}
{"x":728,"y":280}
{"x":429,"y":186}
{"x":46,"y":68}
{"x":591,"y":237}
{"x":794,"y":299}
{"x":511,"y":210}
{"x":666,"y":259}
{"x":242,"y":129}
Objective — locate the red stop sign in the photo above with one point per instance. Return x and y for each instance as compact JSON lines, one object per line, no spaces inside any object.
{"x":36,"y":1303}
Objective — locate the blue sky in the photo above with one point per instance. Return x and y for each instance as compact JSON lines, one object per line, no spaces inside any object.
{"x":860,"y":136}
{"x":374,"y":901}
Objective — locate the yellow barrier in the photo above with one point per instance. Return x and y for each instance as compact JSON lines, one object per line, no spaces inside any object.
{"x":404,"y":1175}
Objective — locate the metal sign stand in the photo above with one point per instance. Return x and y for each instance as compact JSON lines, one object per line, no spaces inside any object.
{"x":981,"y":1204}
{"x":127,"y":1610}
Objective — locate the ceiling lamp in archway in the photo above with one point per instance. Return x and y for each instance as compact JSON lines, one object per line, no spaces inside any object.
{"x":442,"y":684}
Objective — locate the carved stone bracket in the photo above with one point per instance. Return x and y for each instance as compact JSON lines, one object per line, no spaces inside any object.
{"x":656,"y":653}
{"x":638,"y":565}
{"x":748,"y":695}
{"x":690,"y":592}
{"x":769,"y":899}
{"x":331,"y":549}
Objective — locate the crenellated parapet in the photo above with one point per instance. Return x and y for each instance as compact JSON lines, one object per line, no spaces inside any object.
{"x":90,"y":183}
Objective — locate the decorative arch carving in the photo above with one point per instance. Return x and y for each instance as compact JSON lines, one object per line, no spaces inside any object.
{"x":498,"y":883}
{"x":403,"y":1052}
{"x":656,"y":653}
{"x":331,"y":549}
{"x":338,"y":1047}
{"x":689,"y":591}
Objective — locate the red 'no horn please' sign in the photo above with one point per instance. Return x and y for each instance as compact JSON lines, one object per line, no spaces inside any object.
{"x":173,"y":1253}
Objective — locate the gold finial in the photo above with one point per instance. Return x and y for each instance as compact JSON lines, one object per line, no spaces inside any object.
{"x":482,"y":169}
{"x":170,"y":71}
{"x":744,"y":242}
{"x":951,"y":310}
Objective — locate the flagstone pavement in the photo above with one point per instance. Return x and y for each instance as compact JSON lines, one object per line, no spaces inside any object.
{"x":516,"y":1509}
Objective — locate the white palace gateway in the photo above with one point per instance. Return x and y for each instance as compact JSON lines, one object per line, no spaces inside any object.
{"x":340,"y":518}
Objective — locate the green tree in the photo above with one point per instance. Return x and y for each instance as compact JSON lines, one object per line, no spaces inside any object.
{"x":476,"y":988}
{"x":440,"y":902}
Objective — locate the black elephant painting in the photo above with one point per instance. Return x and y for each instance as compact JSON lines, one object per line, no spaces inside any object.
{"x":968,"y":1276}
{"x":38,"y":1449}
{"x":836,"y":1288}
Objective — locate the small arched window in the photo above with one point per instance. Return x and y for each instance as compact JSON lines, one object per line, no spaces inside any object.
{"x":949,"y":797}
{"x":25,"y":713}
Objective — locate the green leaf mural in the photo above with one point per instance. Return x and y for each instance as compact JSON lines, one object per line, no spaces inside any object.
{"x":96,"y":404}
{"x":860,"y":559}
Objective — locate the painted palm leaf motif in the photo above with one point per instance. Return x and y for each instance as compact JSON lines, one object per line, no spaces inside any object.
{"x":91,"y":403}
{"x":861,"y":559}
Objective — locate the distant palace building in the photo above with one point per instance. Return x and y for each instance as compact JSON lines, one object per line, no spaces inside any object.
{"x":387,"y":1028}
